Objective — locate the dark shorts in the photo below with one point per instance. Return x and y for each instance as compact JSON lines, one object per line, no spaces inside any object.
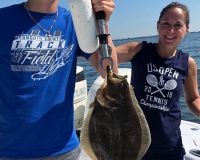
{"x":171,"y":154}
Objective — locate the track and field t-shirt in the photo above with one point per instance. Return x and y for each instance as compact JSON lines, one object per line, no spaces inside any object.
{"x":37,"y":77}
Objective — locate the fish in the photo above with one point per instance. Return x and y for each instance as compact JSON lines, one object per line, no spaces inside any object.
{"x":115,"y":127}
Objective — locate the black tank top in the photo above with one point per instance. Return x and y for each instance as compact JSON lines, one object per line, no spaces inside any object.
{"x":158,"y":84}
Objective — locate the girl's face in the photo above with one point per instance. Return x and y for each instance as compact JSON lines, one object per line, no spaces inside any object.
{"x":172,"y":28}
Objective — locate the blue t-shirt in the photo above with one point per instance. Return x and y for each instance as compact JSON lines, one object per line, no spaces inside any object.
{"x":37,"y":77}
{"x":158,"y":84}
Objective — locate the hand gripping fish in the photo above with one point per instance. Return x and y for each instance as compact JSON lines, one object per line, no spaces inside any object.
{"x":115,"y":127}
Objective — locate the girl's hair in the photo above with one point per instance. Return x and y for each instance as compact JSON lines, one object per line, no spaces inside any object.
{"x":177,"y":5}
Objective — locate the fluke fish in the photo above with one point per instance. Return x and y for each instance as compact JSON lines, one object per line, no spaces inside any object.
{"x":115,"y":127}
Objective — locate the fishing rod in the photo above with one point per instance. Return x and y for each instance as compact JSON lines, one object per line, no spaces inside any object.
{"x":104,"y":49}
{"x":86,"y":25}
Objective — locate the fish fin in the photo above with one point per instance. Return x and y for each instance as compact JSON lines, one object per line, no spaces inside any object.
{"x":146,"y":135}
{"x":84,"y":137}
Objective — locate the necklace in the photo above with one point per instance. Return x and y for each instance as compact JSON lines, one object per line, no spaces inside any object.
{"x":47,"y":31}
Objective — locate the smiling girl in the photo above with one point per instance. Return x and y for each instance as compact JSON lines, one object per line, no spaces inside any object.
{"x":160,"y":73}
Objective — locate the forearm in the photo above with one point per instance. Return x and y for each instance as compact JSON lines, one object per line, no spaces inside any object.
{"x":195,"y":107}
{"x":126,"y":52}
{"x":191,"y":88}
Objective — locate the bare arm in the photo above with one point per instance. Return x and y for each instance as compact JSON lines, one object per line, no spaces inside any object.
{"x":191,"y":89}
{"x":126,"y":52}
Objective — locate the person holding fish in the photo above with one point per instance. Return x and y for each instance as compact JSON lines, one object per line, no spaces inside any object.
{"x":38,"y":55}
{"x":160,"y":72}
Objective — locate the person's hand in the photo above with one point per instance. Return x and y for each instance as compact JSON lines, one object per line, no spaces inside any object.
{"x":104,"y":5}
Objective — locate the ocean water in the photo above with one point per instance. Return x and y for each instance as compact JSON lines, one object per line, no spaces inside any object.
{"x":191,"y":45}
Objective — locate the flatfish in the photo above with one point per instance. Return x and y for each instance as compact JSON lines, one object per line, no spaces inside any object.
{"x":115,"y":127}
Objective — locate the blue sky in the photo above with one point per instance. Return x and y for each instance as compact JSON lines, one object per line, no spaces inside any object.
{"x":137,"y":18}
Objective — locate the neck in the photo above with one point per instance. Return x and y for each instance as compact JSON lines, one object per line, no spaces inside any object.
{"x":165,"y":52}
{"x":42,"y":6}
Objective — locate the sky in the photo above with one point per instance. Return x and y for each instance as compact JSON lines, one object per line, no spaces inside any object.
{"x":133,"y":18}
